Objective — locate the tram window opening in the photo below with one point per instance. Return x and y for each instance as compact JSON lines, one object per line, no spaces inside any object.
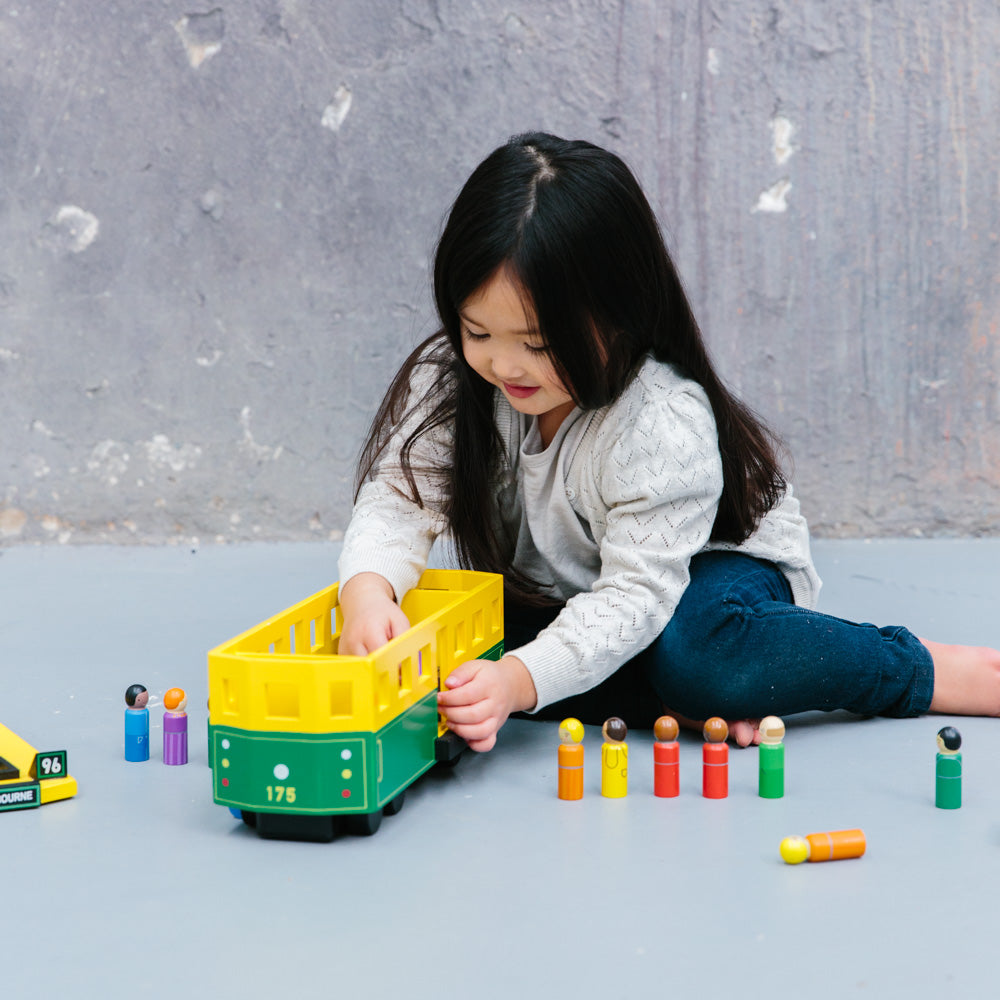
{"x":281,"y":699}
{"x":336,"y":620}
{"x":342,"y":698}
{"x":229,"y":700}
{"x":406,"y":676}
{"x":386,"y":689}
{"x":478,"y":627}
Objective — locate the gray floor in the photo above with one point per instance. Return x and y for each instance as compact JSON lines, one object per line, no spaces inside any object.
{"x":485,"y":885}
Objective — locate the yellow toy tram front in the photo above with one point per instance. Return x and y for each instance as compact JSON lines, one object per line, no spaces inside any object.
{"x":300,"y":736}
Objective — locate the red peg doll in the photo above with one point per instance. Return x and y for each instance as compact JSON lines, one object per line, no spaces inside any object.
{"x":666,"y":758}
{"x":715,"y":754}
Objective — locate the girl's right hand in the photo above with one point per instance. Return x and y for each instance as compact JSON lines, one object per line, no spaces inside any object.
{"x":371,"y":615}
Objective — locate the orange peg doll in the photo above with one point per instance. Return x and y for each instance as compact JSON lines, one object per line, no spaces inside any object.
{"x":715,"y":755}
{"x":614,"y":759}
{"x":823,"y":847}
{"x":571,"y":759}
{"x":666,"y":758}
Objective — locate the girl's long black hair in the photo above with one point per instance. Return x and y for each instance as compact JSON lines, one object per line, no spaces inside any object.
{"x":572,"y":227}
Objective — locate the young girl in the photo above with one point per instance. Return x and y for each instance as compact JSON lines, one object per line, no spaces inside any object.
{"x":566,"y":428}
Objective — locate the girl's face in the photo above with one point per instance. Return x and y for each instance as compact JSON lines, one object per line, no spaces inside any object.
{"x":501,"y":342}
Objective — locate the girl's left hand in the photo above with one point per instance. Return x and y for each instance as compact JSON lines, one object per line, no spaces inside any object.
{"x":481,"y":695}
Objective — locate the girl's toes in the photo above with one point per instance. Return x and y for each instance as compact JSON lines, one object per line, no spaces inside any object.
{"x":742,"y":732}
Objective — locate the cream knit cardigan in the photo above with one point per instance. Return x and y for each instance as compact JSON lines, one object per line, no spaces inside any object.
{"x":644,"y":474}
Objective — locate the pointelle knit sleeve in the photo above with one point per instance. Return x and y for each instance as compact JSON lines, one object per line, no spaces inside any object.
{"x":389,"y":533}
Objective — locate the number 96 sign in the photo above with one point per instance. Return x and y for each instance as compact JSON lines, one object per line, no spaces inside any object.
{"x":51,"y":764}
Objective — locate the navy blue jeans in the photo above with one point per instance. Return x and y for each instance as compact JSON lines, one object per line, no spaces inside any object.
{"x":739,"y":648}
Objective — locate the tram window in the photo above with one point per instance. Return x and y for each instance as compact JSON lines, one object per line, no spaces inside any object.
{"x":229,"y":702}
{"x":320,"y":631}
{"x":406,"y":676}
{"x":478,"y":629}
{"x":342,"y":698}
{"x":386,"y":689}
{"x":281,"y":699}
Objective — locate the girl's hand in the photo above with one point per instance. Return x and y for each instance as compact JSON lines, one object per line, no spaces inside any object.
{"x":481,"y":695}
{"x":371,"y":615}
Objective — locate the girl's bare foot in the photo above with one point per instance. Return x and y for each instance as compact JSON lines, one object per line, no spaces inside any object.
{"x":743,"y":732}
{"x":966,"y":679}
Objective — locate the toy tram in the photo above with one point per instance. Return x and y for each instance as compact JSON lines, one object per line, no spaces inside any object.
{"x":301,"y":738}
{"x":30,"y":778}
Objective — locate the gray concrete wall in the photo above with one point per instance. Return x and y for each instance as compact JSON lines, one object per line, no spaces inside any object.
{"x":217,"y":221}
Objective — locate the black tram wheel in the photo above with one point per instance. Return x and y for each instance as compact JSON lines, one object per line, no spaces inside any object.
{"x":394,"y":805}
{"x":364,"y":824}
{"x":448,"y":748}
{"x":292,"y":826}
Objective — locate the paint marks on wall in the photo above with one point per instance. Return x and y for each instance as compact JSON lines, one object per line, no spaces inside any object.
{"x":712,"y":62}
{"x":55,"y":527}
{"x":36,"y":466}
{"x":108,"y":461}
{"x":781,"y":133}
{"x":336,"y":111}
{"x":70,"y":229}
{"x":12,"y":522}
{"x":163,"y":456}
{"x":773,"y":199}
{"x":211,"y":203}
{"x":258,"y":452}
{"x":207,"y":356}
{"x":202,"y":35}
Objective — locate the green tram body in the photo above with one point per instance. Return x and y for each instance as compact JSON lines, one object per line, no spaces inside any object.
{"x":299,"y":785}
